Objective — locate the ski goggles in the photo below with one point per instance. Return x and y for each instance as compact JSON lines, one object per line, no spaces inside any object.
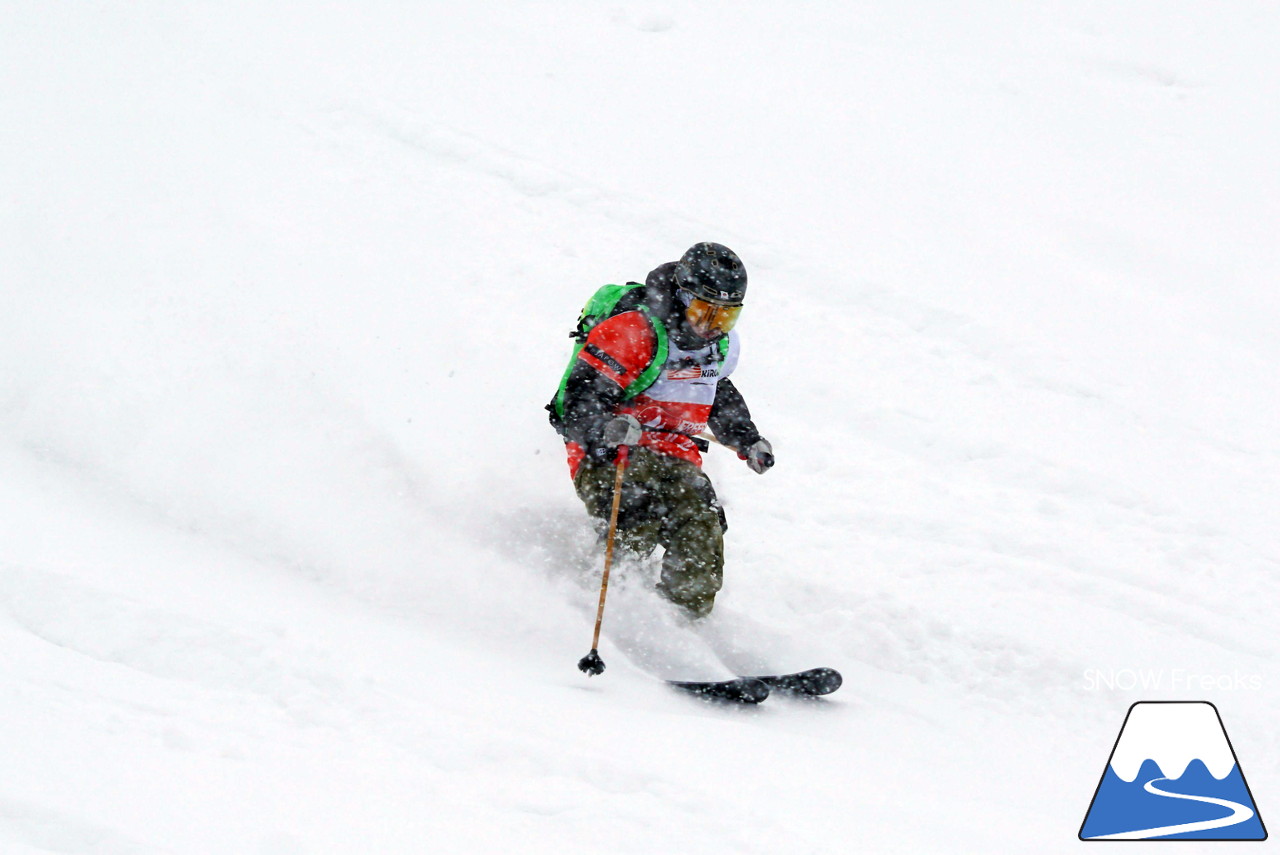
{"x":711,"y":320}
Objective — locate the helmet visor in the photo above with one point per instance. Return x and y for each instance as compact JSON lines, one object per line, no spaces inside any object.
{"x":711,"y":320}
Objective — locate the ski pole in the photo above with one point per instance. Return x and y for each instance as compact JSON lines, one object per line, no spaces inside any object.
{"x":592,"y":664}
{"x":707,"y":437}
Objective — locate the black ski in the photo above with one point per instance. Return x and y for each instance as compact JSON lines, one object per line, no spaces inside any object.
{"x":815,"y":681}
{"x":743,"y":690}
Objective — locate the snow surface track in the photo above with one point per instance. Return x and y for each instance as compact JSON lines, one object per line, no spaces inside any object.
{"x":289,"y":562}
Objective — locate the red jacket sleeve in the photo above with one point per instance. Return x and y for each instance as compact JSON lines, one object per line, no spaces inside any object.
{"x":621,"y":348}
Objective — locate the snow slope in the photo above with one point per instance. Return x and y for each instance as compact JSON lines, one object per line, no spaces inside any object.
{"x":289,"y":561}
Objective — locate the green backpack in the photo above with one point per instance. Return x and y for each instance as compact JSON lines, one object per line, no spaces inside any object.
{"x":600,"y":307}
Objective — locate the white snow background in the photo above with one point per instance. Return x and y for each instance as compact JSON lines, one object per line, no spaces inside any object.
{"x":289,"y":557}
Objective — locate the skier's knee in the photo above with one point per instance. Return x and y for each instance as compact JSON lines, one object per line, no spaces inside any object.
{"x":696,"y":598}
{"x":692,"y":580}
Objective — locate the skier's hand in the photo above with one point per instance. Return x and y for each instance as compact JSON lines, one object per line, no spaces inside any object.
{"x":759,"y":456}
{"x":618,"y":431}
{"x":622,"y":430}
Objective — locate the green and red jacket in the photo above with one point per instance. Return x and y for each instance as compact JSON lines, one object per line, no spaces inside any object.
{"x":690,"y":394}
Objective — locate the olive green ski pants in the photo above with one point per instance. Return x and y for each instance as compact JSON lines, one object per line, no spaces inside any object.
{"x":665,"y":501}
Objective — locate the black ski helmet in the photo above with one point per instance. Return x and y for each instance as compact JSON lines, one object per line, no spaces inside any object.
{"x":712,"y":272}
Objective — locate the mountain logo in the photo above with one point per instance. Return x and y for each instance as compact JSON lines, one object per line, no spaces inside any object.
{"x":1173,"y":775}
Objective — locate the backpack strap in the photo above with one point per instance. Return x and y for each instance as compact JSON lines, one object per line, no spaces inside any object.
{"x":650,"y":375}
{"x":607,"y":301}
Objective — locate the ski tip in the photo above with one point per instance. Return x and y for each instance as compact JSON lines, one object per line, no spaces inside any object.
{"x":743,"y":690}
{"x":812,"y":683}
{"x":826,"y":680}
{"x":753,"y":691}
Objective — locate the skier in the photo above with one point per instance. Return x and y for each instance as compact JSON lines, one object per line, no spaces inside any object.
{"x":652,"y":372}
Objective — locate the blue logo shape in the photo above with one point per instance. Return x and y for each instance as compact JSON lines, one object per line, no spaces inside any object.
{"x":1173,"y":775}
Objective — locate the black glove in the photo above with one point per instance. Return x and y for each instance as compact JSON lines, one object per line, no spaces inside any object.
{"x":759,"y":456}
{"x":617,"y":431}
